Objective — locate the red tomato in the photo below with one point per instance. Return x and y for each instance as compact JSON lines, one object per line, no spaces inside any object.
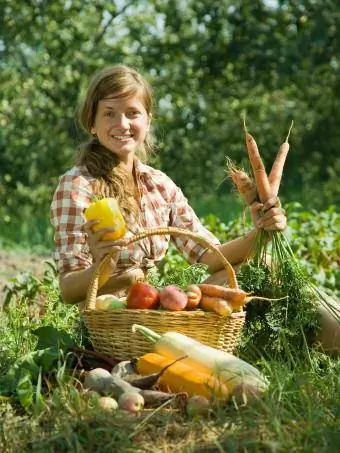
{"x":143,"y":296}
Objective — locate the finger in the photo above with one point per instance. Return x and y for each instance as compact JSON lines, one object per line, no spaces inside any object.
{"x":272,"y":212}
{"x":108,"y":246}
{"x":271,"y":221}
{"x":256,"y":206}
{"x":87,"y":226}
{"x":271,"y":203}
{"x":276,"y":227}
{"x":100,"y":233}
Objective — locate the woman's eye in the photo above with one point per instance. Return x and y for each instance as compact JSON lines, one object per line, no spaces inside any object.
{"x":133,"y":114}
{"x":109,"y":114}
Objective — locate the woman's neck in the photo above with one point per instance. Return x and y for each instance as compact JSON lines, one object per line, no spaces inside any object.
{"x":128,"y":163}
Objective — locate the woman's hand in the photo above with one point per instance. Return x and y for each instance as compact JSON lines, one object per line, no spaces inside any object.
{"x":99,"y":247}
{"x":269,"y":216}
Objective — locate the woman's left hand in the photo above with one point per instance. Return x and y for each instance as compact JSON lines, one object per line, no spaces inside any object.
{"x":269,"y":216}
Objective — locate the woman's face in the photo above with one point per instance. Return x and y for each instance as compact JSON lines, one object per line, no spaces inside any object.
{"x":121,"y":125}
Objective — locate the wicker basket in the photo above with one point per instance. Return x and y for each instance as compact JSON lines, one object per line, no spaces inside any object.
{"x":111,"y":330}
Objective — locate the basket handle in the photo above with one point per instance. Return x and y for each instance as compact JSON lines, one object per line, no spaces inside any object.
{"x":90,"y":303}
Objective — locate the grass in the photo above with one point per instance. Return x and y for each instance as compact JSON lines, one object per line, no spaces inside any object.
{"x":300,"y":412}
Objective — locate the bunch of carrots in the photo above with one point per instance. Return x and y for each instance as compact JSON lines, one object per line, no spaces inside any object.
{"x":288,"y":324}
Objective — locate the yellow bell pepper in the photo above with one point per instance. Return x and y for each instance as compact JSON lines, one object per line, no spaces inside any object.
{"x":108,"y":213}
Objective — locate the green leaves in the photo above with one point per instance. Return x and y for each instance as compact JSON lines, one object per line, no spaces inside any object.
{"x":50,"y":336}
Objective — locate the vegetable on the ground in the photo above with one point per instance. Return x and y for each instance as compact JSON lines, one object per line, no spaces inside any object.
{"x":107,"y":403}
{"x":229,"y":369}
{"x":131,"y":401}
{"x":181,"y":377}
{"x":147,"y":382}
{"x":198,"y":405}
{"x":155,"y":398}
{"x":117,"y":386}
{"x":102,"y":381}
{"x":97,"y":380}
{"x":123,"y":368}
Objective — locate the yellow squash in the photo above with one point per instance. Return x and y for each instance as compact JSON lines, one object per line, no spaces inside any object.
{"x":182,"y":378}
{"x":108,"y":213}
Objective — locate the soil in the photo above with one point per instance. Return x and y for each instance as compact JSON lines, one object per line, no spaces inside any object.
{"x":15,"y":262}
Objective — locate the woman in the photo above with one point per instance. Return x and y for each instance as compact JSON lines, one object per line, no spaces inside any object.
{"x":117,"y":113}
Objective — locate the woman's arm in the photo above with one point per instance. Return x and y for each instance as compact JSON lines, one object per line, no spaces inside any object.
{"x":74,"y":285}
{"x":235,"y":251}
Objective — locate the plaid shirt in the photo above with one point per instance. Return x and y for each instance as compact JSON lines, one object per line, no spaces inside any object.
{"x":162,"y":204}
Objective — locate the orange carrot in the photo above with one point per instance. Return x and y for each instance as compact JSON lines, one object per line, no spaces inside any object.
{"x":236,"y":297}
{"x":275,"y":174}
{"x":216,"y":304}
{"x":245,"y":185}
{"x":261,"y":178}
{"x":232,"y":295}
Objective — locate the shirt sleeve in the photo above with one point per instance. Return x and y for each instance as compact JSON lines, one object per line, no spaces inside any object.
{"x":183,"y":216}
{"x":71,"y":197}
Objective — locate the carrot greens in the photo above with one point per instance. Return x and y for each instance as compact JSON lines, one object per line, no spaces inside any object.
{"x":286,"y":326}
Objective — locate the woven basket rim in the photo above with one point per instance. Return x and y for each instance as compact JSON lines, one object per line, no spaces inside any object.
{"x":168,"y":313}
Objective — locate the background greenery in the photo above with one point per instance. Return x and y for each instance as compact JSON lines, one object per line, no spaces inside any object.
{"x":209,"y":61}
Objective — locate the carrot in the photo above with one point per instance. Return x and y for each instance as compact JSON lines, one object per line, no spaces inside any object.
{"x":216,"y":304}
{"x":275,"y":174}
{"x":261,"y":178}
{"x":245,"y":186}
{"x":236,"y":297}
{"x":232,"y":295}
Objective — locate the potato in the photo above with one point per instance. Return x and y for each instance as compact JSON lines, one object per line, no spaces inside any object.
{"x":198,"y":405}
{"x":173,"y":298}
{"x":97,"y":380}
{"x":107,"y":403}
{"x":131,"y":402}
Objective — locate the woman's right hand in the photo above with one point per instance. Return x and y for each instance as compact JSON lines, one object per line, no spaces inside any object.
{"x":97,"y":246}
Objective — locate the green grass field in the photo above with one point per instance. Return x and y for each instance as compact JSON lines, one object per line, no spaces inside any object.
{"x":47,"y":411}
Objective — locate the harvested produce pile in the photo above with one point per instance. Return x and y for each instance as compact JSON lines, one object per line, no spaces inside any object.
{"x":208,"y":297}
{"x":275,"y":328}
{"x":178,"y":370}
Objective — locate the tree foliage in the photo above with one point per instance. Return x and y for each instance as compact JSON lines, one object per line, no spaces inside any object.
{"x":209,"y":61}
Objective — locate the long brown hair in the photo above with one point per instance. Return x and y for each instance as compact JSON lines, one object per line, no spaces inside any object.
{"x":111,"y":178}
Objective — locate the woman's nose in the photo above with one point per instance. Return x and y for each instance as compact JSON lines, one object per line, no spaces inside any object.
{"x":122,"y":121}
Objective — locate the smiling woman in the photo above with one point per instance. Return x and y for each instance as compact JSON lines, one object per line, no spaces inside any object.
{"x":121,"y":126}
{"x":117,"y":115}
